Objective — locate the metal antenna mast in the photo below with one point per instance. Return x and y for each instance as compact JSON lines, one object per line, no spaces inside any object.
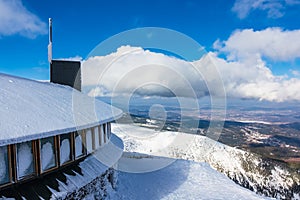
{"x":50,"y":41}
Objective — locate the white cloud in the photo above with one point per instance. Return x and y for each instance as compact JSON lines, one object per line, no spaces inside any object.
{"x":247,"y":52}
{"x":99,"y":91}
{"x":273,"y":43}
{"x":253,"y":79}
{"x":295,"y":72}
{"x":134,"y":69}
{"x":16,"y":19}
{"x":75,"y":58}
{"x":274,"y":8}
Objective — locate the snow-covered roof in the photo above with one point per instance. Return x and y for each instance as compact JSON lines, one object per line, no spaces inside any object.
{"x":31,"y":110}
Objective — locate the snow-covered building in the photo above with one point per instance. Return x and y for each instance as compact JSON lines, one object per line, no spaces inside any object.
{"x":45,"y":127}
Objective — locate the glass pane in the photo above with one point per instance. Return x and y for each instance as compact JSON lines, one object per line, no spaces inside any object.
{"x":104,"y":133}
{"x":25,"y":159}
{"x":65,"y":148}
{"x":96,"y":132}
{"x":108,"y":130}
{"x":101,"y":134}
{"x":89,"y":141}
{"x":48,"y":157}
{"x":4,"y":165}
{"x":78,"y":145}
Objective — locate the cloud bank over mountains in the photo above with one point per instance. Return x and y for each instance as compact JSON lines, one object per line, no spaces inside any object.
{"x":253,"y":79}
{"x":248,"y":52}
{"x":243,"y":72}
{"x":135,"y":70}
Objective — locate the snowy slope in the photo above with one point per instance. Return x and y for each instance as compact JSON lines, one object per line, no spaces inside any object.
{"x":31,"y":109}
{"x":249,"y":170}
{"x":180,"y":180}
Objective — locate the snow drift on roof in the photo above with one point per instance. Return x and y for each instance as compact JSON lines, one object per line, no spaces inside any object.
{"x":31,"y":110}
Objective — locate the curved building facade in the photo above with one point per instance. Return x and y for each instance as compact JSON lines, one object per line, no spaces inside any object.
{"x":47,"y":126}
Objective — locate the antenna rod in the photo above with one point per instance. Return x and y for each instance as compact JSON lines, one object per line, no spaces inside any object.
{"x":50,"y":30}
{"x":50,"y":41}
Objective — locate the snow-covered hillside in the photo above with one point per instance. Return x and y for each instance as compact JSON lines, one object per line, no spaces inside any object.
{"x":180,"y":180}
{"x":248,"y":170}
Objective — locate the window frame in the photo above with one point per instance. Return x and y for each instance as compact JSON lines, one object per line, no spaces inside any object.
{"x":101,"y":135}
{"x":10,"y":166}
{"x":72,"y":146}
{"x":104,"y":133}
{"x":36,"y":161}
{"x":98,"y":142}
{"x":84,"y":152}
{"x":93,"y":140}
{"x":108,"y":130}
{"x":55,"y":143}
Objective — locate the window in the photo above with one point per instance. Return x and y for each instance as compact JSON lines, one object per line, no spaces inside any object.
{"x":48,"y":153}
{"x":65,"y":148}
{"x":104,"y":133}
{"x":89,"y":140}
{"x":101,"y":132}
{"x":79,"y":144}
{"x":108,"y":130}
{"x":97,"y":137}
{"x":4,"y":166}
{"x":25,"y":160}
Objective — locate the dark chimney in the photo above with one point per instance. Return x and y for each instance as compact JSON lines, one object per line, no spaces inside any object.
{"x":66,"y":73}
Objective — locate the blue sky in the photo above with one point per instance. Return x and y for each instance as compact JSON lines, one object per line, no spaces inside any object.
{"x":78,"y":26}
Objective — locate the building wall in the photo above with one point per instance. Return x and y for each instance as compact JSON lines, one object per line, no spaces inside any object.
{"x":28,"y":160}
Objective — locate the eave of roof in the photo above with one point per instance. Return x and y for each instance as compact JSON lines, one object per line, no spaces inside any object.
{"x":30,"y":110}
